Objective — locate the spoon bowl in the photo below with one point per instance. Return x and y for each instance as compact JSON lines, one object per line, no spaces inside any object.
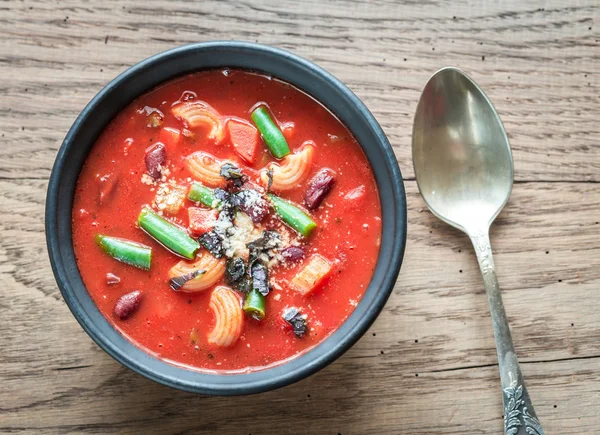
{"x":461,"y":154}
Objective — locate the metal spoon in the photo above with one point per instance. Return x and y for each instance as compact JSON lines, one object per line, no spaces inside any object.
{"x":464,"y":169}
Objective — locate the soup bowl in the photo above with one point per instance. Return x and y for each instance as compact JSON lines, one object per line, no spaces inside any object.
{"x":180,"y":61}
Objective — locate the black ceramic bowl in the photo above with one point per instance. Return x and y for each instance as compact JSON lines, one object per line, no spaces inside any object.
{"x":184,"y":60}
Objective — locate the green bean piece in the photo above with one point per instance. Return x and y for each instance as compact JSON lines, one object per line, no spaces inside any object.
{"x":171,"y":236}
{"x":293,"y":216}
{"x":202,"y":194}
{"x":126,"y":251}
{"x":270,"y":132}
{"x":254,"y":305}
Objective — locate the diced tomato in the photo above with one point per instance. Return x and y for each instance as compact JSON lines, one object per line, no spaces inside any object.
{"x":288,"y":130}
{"x":245,"y":139}
{"x":201,"y":220}
{"x":170,"y":136}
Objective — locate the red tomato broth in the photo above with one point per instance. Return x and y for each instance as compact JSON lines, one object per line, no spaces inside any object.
{"x":348,"y":231}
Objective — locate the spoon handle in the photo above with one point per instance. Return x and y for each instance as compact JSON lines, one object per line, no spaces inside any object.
{"x":519,"y":415}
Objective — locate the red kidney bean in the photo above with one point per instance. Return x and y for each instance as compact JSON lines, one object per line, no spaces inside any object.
{"x":127,"y":304}
{"x":318,"y":188}
{"x":293,"y":253}
{"x":112,"y":279}
{"x":156,"y":157}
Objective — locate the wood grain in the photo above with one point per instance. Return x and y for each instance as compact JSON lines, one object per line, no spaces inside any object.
{"x":538,"y":62}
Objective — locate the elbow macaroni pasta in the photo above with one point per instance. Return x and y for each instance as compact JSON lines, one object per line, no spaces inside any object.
{"x":199,"y":113}
{"x":206,"y":168}
{"x":215,"y":269}
{"x":229,"y":317}
{"x":292,"y":170}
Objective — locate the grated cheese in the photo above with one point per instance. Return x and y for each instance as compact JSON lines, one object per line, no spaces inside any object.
{"x":170,"y":197}
{"x":147,"y":179}
{"x":238,"y":234}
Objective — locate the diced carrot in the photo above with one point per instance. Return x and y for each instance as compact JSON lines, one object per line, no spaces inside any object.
{"x":312,"y":275}
{"x":201,"y":220}
{"x":169,"y":136}
{"x":245,"y":139}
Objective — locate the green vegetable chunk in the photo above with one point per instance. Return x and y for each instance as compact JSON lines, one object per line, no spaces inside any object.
{"x":293,"y":216}
{"x":270,"y":132}
{"x":202,"y":194}
{"x":126,"y":251}
{"x":254,"y":305}
{"x":171,"y":236}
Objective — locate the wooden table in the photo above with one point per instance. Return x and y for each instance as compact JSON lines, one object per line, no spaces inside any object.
{"x":428,"y":365}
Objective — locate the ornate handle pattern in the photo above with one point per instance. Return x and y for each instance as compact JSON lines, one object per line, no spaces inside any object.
{"x":519,"y":415}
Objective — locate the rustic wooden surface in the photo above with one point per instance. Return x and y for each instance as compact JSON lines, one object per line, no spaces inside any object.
{"x":428,"y":365}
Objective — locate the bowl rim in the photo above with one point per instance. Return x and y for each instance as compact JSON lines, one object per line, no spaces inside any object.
{"x":299,"y":366}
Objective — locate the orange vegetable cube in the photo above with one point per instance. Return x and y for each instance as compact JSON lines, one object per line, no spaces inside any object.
{"x":312,"y":275}
{"x":245,"y":139}
{"x":201,"y":220}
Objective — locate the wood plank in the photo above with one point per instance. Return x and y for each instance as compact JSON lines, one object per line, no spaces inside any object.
{"x":341,"y":399}
{"x":436,"y":325}
{"x":537,"y":61}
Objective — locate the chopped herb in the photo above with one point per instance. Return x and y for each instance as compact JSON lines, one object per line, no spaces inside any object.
{"x":235,"y":271}
{"x":179,"y":281}
{"x":233,"y":173}
{"x":226,"y":204}
{"x":338,"y":220}
{"x":297,"y":320}
{"x":267,"y":241}
{"x":221,"y":195}
{"x":260,"y":278}
{"x":270,"y":177}
{"x":244,"y":285}
{"x":213,"y":243}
